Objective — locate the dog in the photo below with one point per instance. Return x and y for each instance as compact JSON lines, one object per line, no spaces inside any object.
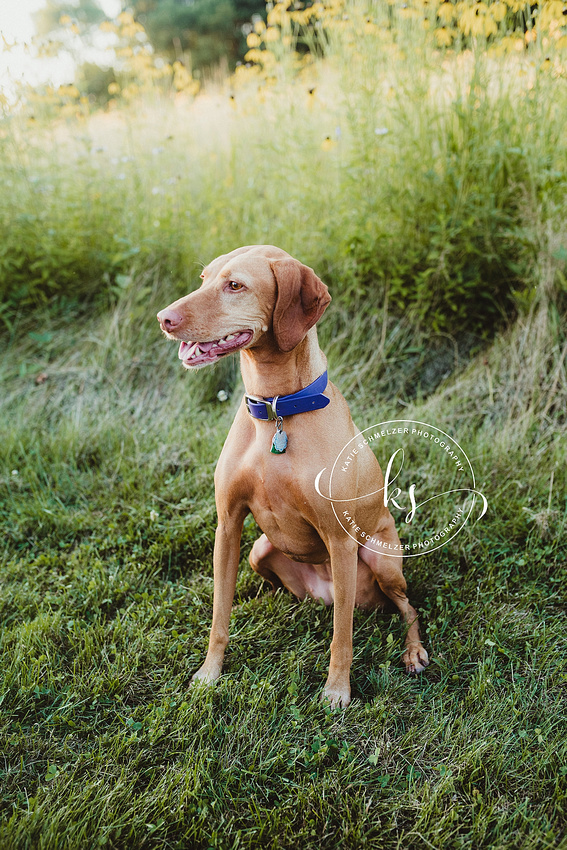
{"x":291,"y":424}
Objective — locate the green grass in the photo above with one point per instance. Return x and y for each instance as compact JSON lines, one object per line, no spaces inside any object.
{"x":443,"y":242}
{"x":106,"y":591}
{"x":437,"y":180}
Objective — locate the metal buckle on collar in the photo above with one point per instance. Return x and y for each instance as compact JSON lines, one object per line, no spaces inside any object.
{"x":269,"y":405}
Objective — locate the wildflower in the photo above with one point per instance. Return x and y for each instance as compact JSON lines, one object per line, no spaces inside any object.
{"x":327,"y":144}
{"x":472,"y":19}
{"x":446,"y":12}
{"x":498,"y":11}
{"x":551,"y":11}
{"x":68,"y":91}
{"x":490,"y":26}
{"x":125,"y":18}
{"x":113,"y":88}
{"x":222,"y":395}
{"x":272,"y":34}
{"x":443,"y":37}
{"x":153,"y":515}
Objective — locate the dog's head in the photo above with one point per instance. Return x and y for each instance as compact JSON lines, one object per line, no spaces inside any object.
{"x":254,"y":296}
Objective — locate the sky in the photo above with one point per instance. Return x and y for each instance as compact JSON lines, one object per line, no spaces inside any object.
{"x":20,"y":64}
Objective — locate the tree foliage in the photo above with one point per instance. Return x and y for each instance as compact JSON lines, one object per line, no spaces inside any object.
{"x":210,"y":31}
{"x":85,"y":12}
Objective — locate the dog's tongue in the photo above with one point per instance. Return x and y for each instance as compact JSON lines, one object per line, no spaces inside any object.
{"x":206,"y":346}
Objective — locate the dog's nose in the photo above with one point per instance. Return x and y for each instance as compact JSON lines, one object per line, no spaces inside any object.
{"x":169,"y":320}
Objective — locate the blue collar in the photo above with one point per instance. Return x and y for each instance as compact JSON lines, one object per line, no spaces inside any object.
{"x":309,"y":398}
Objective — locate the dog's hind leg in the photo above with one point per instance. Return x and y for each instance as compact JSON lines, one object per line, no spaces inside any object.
{"x":300,"y":579}
{"x":387,"y":570}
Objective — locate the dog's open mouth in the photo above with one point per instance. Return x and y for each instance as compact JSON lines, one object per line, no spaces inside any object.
{"x":203,"y":353}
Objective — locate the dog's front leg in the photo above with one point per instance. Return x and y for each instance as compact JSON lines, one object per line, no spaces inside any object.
{"x":344,"y":563}
{"x":226,"y":559}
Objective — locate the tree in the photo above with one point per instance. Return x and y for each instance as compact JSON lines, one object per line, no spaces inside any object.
{"x":208,"y":30}
{"x":85,"y":13}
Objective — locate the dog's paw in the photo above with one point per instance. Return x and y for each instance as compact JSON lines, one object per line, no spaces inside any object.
{"x":205,"y":676}
{"x":336,"y":697}
{"x":415,"y":659}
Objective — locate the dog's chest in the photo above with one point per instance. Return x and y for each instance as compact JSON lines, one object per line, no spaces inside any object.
{"x":282,"y":503}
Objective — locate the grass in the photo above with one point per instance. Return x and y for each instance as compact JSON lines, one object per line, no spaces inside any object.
{"x":106,"y":594}
{"x":108,"y":450}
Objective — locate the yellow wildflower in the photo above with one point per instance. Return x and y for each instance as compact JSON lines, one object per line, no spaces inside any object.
{"x":498,"y":11}
{"x":553,"y":8}
{"x":446,"y":12}
{"x":409,"y":14}
{"x":274,"y":15}
{"x":516,"y":5}
{"x":68,"y":91}
{"x":490,"y":26}
{"x":443,"y":37}
{"x":477,"y":20}
{"x":256,"y":56}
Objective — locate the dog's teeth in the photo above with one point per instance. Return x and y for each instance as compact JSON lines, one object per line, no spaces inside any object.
{"x":229,"y":337}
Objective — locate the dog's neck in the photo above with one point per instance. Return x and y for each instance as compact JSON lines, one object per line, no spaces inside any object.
{"x":267,"y":371}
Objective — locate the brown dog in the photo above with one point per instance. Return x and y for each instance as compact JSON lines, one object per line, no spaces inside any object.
{"x":260,"y":301}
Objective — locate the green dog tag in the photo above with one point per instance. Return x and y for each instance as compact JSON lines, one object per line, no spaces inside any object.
{"x":279,"y":442}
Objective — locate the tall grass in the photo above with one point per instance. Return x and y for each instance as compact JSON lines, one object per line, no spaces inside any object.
{"x":406,"y":175}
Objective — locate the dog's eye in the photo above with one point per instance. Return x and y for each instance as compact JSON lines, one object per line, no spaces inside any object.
{"x":234,"y":286}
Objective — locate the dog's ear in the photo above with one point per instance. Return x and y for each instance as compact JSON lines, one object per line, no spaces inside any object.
{"x":301,"y":300}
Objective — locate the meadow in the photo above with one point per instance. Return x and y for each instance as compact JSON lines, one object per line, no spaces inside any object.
{"x":419,"y":164}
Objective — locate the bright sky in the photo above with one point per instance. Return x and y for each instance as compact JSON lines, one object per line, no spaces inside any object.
{"x":18,"y":62}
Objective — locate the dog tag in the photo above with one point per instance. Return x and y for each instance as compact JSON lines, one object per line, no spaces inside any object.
{"x":279,"y":440}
